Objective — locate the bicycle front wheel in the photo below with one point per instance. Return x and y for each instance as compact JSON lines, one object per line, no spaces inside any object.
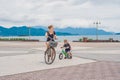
{"x":60,"y":56}
{"x":50,"y":55}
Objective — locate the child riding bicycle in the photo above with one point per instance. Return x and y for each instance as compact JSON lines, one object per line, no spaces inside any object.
{"x":67,"y":47}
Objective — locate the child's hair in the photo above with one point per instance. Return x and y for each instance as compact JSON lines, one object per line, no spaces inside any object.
{"x":65,"y":40}
{"x":50,"y":26}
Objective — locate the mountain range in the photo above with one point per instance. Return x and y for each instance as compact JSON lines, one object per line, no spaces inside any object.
{"x":117,"y":33}
{"x":41,"y":30}
{"x":24,"y":31}
{"x":78,"y":31}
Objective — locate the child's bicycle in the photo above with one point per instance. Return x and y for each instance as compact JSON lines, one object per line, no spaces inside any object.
{"x":64,"y":54}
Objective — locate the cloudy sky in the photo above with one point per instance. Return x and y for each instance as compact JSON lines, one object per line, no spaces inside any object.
{"x":61,"y":13}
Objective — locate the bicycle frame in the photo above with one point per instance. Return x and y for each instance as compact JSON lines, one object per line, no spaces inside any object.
{"x":63,"y":52}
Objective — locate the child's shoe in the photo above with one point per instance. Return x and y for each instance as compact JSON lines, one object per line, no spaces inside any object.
{"x":65,"y":57}
{"x":70,"y":57}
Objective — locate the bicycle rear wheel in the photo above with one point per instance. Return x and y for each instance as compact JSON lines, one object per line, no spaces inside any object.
{"x":50,"y":55}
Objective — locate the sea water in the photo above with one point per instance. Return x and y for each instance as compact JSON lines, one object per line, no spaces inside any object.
{"x":70,"y":38}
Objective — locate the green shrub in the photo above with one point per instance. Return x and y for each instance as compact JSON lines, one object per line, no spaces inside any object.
{"x":13,"y":39}
{"x":90,"y":39}
{"x":80,"y":40}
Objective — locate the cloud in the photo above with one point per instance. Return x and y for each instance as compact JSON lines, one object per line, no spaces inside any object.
{"x":106,"y":2}
{"x":61,"y":13}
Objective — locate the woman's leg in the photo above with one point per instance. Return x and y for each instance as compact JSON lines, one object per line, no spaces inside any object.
{"x":53,"y":53}
{"x":47,"y":45}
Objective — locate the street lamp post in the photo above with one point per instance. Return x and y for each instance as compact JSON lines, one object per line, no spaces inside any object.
{"x":0,"y":34}
{"x":29,"y":32}
{"x":97,"y":23}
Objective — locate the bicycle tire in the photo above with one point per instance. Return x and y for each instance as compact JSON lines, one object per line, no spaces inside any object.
{"x":60,"y":56}
{"x":48,"y":54}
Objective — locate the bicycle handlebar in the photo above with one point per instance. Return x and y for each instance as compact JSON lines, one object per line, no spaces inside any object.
{"x":51,"y":38}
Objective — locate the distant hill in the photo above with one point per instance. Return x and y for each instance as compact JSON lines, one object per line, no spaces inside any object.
{"x":117,"y":33}
{"x":41,"y":30}
{"x":24,"y":31}
{"x":79,"y":31}
{"x":83,"y":31}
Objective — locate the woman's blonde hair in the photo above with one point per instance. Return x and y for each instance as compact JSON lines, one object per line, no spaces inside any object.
{"x":50,"y":26}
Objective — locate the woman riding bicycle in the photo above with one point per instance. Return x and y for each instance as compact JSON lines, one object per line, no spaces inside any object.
{"x":50,"y":35}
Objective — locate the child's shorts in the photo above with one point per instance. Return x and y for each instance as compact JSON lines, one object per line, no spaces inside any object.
{"x":67,"y":50}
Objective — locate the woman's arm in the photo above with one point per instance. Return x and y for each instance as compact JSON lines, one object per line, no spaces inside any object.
{"x":55,"y":37}
{"x":46,"y":35}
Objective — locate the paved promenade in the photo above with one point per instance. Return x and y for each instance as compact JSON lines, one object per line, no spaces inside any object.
{"x":32,"y":62}
{"x":89,"y":71}
{"x":91,"y":61}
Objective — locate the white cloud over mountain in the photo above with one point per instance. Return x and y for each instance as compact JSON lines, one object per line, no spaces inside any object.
{"x":61,"y":13}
